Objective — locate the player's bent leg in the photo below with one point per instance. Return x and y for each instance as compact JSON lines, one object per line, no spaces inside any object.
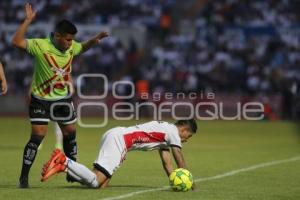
{"x":60,"y":163}
{"x":87,"y":177}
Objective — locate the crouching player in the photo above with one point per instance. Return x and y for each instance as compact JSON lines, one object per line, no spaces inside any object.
{"x":116,"y":142}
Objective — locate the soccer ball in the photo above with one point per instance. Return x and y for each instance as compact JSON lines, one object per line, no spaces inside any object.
{"x":181,"y":180}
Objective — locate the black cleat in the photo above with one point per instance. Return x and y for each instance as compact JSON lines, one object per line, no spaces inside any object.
{"x":23,"y":182}
{"x":70,"y":179}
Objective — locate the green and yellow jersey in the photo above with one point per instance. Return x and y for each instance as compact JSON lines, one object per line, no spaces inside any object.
{"x":52,"y":68}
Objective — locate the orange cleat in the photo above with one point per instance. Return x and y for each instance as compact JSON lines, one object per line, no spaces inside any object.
{"x":54,"y":170}
{"x":57,"y":157}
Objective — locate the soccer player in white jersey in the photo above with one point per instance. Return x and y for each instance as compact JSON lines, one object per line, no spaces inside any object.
{"x":116,"y":142}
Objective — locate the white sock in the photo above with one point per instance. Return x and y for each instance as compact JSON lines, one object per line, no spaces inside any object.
{"x":77,"y":178}
{"x":87,"y":177}
{"x":58,"y":134}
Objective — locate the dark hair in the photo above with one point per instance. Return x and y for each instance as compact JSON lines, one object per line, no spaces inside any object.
{"x":189,"y":122}
{"x":65,"y":26}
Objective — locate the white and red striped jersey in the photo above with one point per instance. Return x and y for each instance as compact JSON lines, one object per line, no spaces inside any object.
{"x":118,"y":141}
{"x":150,"y":136}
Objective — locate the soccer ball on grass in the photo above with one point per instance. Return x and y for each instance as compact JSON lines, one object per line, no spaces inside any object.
{"x":181,"y":180}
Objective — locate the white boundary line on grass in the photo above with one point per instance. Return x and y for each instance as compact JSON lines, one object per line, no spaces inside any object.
{"x":230,"y":173}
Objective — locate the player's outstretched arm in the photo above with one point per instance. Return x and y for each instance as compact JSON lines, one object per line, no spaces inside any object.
{"x":86,"y":45}
{"x":18,"y":39}
{"x":2,"y":80}
{"x":180,"y":160}
{"x":166,"y":160}
{"x":177,"y":154}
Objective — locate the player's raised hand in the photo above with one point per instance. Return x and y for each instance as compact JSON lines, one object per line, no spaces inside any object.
{"x":93,"y":41}
{"x":101,"y":35}
{"x":30,"y":13}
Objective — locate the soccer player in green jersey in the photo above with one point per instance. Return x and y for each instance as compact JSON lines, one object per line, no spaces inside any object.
{"x":50,"y":88}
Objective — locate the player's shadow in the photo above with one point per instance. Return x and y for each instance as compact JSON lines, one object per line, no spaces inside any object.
{"x":110,"y":186}
{"x":80,"y":187}
{"x":132,"y":186}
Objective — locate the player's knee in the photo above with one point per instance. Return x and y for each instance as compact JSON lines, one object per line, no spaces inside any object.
{"x":69,"y":129}
{"x":70,"y":135}
{"x":39,"y":130}
{"x":102,"y":175}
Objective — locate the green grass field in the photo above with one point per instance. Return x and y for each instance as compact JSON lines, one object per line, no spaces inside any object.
{"x":218,"y":148}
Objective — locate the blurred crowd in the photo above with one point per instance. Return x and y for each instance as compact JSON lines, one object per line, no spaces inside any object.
{"x":241,"y":46}
{"x":111,"y":12}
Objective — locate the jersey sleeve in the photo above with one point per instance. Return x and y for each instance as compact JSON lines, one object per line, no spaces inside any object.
{"x":173,"y":136}
{"x":77,"y":47}
{"x":33,"y":46}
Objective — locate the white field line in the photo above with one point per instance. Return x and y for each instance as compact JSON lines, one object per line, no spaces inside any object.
{"x":230,"y":173}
